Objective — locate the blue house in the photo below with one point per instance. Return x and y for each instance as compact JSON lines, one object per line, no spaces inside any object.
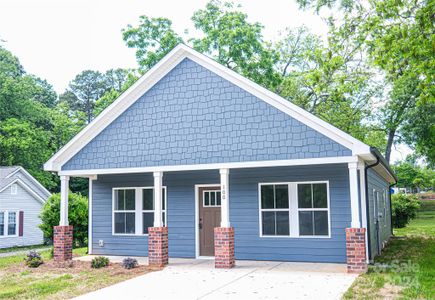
{"x":196,"y":161}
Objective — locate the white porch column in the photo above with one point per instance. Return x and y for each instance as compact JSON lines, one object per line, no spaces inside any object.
{"x":354,"y":199}
{"x":225,"y":198}
{"x":158,"y":199}
{"x":64,"y":187}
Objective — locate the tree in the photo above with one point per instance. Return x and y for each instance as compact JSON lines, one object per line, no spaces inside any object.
{"x":398,"y":37}
{"x":153,"y":38}
{"x":234,"y":42}
{"x":89,"y":86}
{"x":86,"y":88}
{"x":23,"y":144}
{"x":329,"y":80}
{"x":77,"y":216}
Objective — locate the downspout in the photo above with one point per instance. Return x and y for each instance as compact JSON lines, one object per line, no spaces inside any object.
{"x":391,"y":208}
{"x":367,"y":203}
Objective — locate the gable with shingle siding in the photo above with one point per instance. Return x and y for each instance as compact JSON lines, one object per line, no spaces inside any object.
{"x":193,"y":116}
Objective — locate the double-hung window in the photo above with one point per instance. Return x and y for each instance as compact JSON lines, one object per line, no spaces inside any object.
{"x":133,"y":210}
{"x":294,"y":209}
{"x":313,"y":209}
{"x":125,"y":211}
{"x":2,"y":223}
{"x":148,"y":208}
{"x":8,"y":223}
{"x":275,"y":209}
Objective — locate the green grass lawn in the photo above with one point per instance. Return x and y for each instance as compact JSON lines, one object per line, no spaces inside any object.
{"x":406,"y":268}
{"x":50,"y":281}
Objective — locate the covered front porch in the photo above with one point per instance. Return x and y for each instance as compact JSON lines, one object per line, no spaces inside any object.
{"x":172,"y":224}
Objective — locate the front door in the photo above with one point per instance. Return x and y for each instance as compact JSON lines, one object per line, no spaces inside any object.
{"x":209,"y":218}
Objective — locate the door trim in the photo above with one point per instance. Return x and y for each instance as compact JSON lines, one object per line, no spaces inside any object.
{"x":197,"y":187}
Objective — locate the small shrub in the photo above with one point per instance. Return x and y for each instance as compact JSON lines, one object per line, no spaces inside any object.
{"x":33,"y":259}
{"x":99,"y":262}
{"x":129,"y":263}
{"x":405,"y":208}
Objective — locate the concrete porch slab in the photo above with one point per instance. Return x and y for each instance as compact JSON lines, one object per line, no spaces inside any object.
{"x":198,"y":279}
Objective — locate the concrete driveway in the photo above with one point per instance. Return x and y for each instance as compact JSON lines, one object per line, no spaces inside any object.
{"x":198,"y":279}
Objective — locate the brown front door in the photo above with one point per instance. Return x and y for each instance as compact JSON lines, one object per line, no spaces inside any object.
{"x":209,"y":218}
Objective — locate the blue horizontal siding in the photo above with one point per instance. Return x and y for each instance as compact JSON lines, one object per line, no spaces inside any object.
{"x":244,"y":214}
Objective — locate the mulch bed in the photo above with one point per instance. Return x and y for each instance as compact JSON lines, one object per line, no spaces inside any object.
{"x":75,"y":267}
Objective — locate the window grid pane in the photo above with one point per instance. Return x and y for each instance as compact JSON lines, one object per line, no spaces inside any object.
{"x":275,"y":209}
{"x":313,"y":209}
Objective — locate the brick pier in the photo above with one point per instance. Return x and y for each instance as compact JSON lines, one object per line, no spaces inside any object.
{"x":224,"y":247}
{"x":356,"y":250}
{"x":158,"y":246}
{"x":63,"y":241}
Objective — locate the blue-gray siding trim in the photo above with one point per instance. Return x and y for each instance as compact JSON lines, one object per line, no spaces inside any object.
{"x":375,"y":181}
{"x":244,"y":214}
{"x":193,"y":116}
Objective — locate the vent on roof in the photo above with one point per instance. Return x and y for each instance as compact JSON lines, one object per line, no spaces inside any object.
{"x":14,"y":189}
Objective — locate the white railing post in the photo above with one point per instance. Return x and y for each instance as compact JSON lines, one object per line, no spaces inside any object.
{"x":158,"y":199}
{"x":225,"y":198}
{"x":64,"y":188}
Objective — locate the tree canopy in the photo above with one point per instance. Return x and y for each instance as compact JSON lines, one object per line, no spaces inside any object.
{"x":372,"y":76}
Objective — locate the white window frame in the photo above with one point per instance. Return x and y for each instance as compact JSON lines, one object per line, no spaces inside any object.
{"x":14,"y":189}
{"x":294,"y":210}
{"x":211,"y":191}
{"x":6,"y":223}
{"x":137,"y":211}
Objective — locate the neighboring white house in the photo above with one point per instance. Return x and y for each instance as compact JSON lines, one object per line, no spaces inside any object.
{"x":21,"y":201}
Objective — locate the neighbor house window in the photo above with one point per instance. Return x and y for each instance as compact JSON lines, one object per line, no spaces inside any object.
{"x":148,"y":208}
{"x":2,"y":223}
{"x":294,"y":209}
{"x":313,"y":209}
{"x":124,"y":211}
{"x":12,"y":223}
{"x":8,"y":223}
{"x":133,"y":210}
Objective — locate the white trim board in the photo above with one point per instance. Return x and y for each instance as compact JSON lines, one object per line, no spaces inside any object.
{"x":163,"y":67}
{"x":253,"y":164}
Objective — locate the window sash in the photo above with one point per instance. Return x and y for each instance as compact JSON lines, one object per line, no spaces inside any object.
{"x":9,"y":227}
{"x":3,"y":222}
{"x":149,"y":211}
{"x":138,"y":211}
{"x":293,"y":210}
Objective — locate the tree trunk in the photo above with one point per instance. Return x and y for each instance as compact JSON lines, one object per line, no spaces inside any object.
{"x":391,"y":134}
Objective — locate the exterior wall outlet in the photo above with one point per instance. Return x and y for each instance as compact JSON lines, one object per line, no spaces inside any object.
{"x":101,"y":243}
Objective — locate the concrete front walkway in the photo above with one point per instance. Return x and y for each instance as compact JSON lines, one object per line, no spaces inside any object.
{"x":198,"y":279}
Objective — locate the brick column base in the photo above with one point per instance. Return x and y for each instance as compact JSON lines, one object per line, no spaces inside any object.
{"x":158,"y":246}
{"x":356,"y":250}
{"x":224,"y":248}
{"x":63,"y":241}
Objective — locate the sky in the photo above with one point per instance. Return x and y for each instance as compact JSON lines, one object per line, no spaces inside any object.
{"x":57,"y":39}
